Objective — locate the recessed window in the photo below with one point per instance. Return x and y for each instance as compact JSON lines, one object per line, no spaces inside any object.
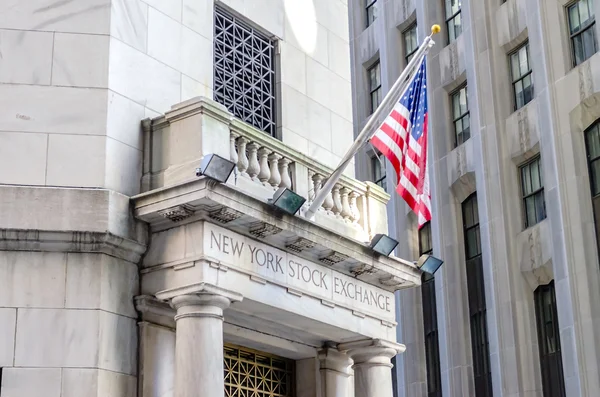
{"x":477,"y":305}
{"x":379,"y":176}
{"x":592,"y":144}
{"x":430,"y":328}
{"x":460,"y":116}
{"x":371,"y":11}
{"x":410,"y":42}
{"x":553,"y":384}
{"x":532,"y":188}
{"x":374,"y":75}
{"x":521,"y":76}
{"x":453,"y":19}
{"x":244,"y":71}
{"x":582,"y":29}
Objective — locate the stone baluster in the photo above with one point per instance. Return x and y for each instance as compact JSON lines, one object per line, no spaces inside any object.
{"x":242,"y":163}
{"x":337,"y":201}
{"x":232,"y":149}
{"x":275,"y":178}
{"x":317,"y":184}
{"x":346,"y":210}
{"x":328,"y":203}
{"x":354,"y":207}
{"x":253,"y":165}
{"x":265,"y":173}
{"x":286,"y":180}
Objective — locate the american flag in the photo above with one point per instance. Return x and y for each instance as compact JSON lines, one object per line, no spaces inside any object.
{"x":402,"y":138}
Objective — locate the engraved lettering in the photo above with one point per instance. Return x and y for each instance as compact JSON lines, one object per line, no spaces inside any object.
{"x":252,"y":249}
{"x":226,"y":245}
{"x":278,"y":266}
{"x":305,"y":276}
{"x":214,"y":239}
{"x":260,"y":254}
{"x":237,"y":247}
{"x":291,"y":273}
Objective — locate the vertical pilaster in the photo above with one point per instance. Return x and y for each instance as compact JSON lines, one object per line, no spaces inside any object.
{"x":334,"y":368}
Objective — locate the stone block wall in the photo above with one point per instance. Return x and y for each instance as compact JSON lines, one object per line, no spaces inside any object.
{"x":67,"y":325}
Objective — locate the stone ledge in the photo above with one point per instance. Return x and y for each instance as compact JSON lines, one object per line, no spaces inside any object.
{"x":80,"y":242}
{"x":72,"y":210}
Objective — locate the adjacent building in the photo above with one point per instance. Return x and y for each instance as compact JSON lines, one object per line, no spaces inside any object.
{"x":122,"y":272}
{"x":514,"y":110}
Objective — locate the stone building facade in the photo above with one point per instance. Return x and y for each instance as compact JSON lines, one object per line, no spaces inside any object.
{"x":513,"y":111}
{"x":124,"y":274}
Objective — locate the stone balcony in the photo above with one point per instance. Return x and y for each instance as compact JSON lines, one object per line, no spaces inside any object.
{"x":176,"y":142}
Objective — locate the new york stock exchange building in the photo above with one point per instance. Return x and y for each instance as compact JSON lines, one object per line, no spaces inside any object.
{"x":123,"y":273}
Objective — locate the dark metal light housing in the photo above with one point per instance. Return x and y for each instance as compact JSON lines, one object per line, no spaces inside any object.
{"x":287,"y":200}
{"x":429,"y":263}
{"x":383,"y":244}
{"x":215,"y":167}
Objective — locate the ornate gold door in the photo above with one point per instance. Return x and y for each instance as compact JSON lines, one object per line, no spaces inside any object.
{"x":250,"y":373}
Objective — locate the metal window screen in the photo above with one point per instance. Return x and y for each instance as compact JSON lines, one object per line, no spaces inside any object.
{"x":249,"y":373}
{"x":244,"y":79}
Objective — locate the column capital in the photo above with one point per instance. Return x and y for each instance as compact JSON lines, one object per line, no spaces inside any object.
{"x":331,"y":359}
{"x":199,"y":300}
{"x":372,"y":352}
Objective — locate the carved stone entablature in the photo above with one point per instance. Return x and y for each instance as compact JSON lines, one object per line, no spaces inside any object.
{"x":333,"y":258}
{"x":300,"y":244}
{"x":392,"y":281}
{"x":224,"y":215}
{"x":177,"y":213}
{"x":262,"y":230}
{"x":363,"y":268}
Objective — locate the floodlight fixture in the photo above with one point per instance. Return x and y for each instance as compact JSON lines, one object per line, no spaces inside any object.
{"x":215,"y":167}
{"x":287,"y":200}
{"x":383,"y":244}
{"x":429,"y":263}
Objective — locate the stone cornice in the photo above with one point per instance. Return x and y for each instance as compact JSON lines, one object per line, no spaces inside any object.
{"x":76,"y":242}
{"x":200,"y":192}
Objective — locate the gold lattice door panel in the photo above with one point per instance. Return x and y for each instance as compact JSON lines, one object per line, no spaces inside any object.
{"x":249,"y":373}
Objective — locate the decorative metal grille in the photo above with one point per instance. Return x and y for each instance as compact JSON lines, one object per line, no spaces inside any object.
{"x":244,"y":71}
{"x":250,"y":373}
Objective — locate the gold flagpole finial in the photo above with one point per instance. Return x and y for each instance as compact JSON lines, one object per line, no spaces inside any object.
{"x":435,"y":29}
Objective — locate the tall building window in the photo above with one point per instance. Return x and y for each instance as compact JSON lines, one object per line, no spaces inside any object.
{"x":374,"y":74}
{"x":532,"y":188}
{"x":460,"y":116}
{"x":521,"y":76}
{"x":430,"y":328}
{"x":453,"y":19}
{"x":371,"y":11}
{"x":582,"y":29}
{"x":379,"y":172}
{"x":592,"y":144}
{"x":410,"y":42}
{"x":477,"y":305}
{"x":549,"y":341}
{"x":244,"y":71}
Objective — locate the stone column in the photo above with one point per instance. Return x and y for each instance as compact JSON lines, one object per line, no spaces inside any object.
{"x":372,"y":366}
{"x":334,"y":367}
{"x":199,"y":339}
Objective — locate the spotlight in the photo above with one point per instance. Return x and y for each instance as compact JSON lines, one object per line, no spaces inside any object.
{"x":429,"y":263}
{"x":383,"y":244}
{"x":287,"y":200}
{"x":215,"y":167}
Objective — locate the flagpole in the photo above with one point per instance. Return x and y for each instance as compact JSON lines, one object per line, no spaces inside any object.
{"x":368,"y":130}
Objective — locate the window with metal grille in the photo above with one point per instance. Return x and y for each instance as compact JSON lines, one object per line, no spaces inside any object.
{"x":250,"y":373}
{"x":371,"y":11}
{"x":453,"y":19}
{"x":549,"y":341}
{"x":374,"y":74}
{"x":477,"y":305}
{"x":461,"y":116}
{"x":379,"y":172}
{"x":592,"y":144}
{"x":582,"y":29}
{"x":532,"y":188}
{"x":410,"y":42}
{"x":430,"y":328}
{"x":244,"y":77}
{"x":522,"y":79}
